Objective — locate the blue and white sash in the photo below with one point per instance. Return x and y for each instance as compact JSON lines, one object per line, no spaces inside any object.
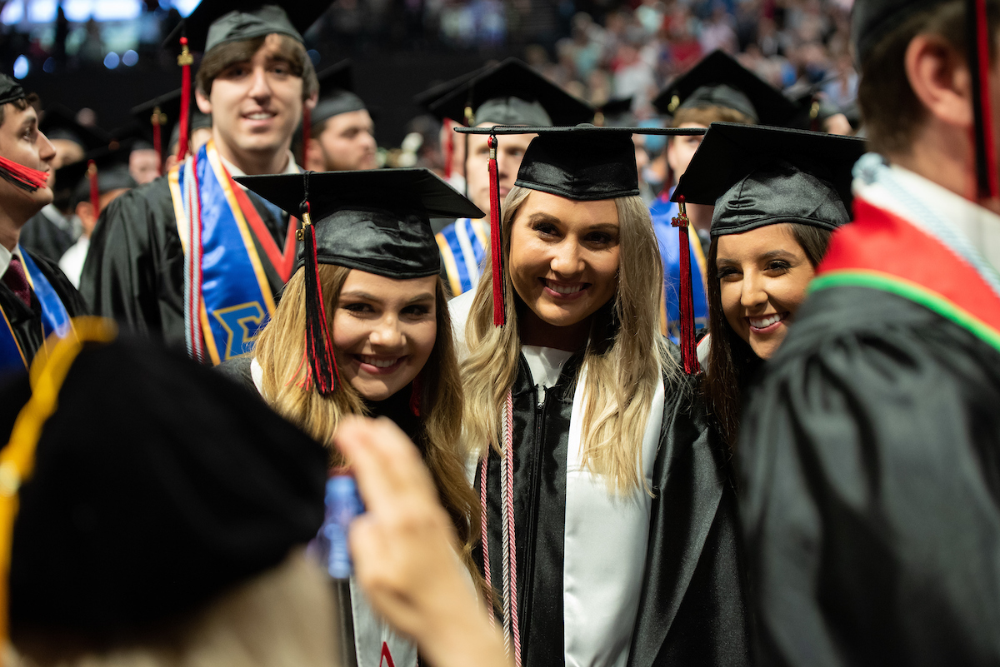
{"x":464,"y":245}
{"x":227,"y":297}
{"x":55,"y":319}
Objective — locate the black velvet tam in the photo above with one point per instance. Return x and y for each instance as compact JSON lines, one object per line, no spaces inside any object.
{"x":871,"y":20}
{"x":719,"y":81}
{"x":336,"y":89}
{"x":215,"y":22}
{"x":373,"y":220}
{"x":511,"y":93}
{"x":59,"y":122}
{"x":158,"y":485}
{"x":757,"y":176}
{"x":10,"y":90}
{"x":583,"y":162}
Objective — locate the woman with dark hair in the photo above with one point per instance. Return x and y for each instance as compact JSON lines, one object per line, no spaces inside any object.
{"x":775,"y":209}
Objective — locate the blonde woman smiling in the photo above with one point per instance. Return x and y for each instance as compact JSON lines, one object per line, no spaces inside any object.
{"x":609,"y":525}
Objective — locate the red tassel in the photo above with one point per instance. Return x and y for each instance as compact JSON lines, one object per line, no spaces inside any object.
{"x":449,"y":148}
{"x":988,"y":186}
{"x":306,"y":132}
{"x":157,"y":120}
{"x":95,"y":191}
{"x":23,"y":177}
{"x":184,"y":60}
{"x":416,"y":393}
{"x":319,"y":344}
{"x":689,"y":349}
{"x":496,"y":242}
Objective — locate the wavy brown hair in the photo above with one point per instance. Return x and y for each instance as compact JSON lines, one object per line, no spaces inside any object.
{"x":732,"y":363}
{"x":280,"y":351}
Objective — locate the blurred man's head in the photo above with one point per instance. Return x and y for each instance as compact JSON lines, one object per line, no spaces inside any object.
{"x":342,"y":142}
{"x":681,"y":149}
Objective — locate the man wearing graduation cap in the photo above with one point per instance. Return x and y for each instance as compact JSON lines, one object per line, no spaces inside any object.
{"x":53,"y":230}
{"x":717,"y":89}
{"x":342,"y":134}
{"x":36,"y":300}
{"x":100,"y":179}
{"x":871,"y":502}
{"x":192,"y":259}
{"x":510,"y":93}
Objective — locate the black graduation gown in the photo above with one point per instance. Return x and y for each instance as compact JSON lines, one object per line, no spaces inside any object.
{"x":26,"y":323}
{"x":44,"y":238}
{"x":870,"y":491}
{"x":691,"y":610}
{"x":134,"y":271}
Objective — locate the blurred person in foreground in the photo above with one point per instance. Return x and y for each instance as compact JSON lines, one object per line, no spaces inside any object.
{"x":188,"y":526}
{"x":342,"y":137}
{"x":870,"y":477}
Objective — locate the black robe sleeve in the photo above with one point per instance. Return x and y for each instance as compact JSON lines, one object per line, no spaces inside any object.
{"x":870,"y":459}
{"x":693,"y":609}
{"x":43,"y":238}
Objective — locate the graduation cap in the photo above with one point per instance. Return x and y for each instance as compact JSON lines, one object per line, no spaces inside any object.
{"x":582,"y":162}
{"x":615,"y":112}
{"x":163,"y":113}
{"x":511,"y":93}
{"x":98,"y":173}
{"x":215,"y":22}
{"x":25,"y":178}
{"x":336,"y":86}
{"x":59,"y":122}
{"x":143,"y":501}
{"x":375,"y":221}
{"x":757,"y":176}
{"x":719,"y":81}
{"x":438,"y":91}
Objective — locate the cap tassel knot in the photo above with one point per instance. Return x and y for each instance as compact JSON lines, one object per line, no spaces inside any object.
{"x":185,"y":60}
{"x":496,"y":241}
{"x":319,"y":345}
{"x":689,"y":350}
{"x":95,"y":191}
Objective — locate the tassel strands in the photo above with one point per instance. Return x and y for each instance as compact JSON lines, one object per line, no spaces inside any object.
{"x":987,"y":185}
{"x":95,"y":190}
{"x":185,"y":60}
{"x":689,"y":351}
{"x":319,"y":344}
{"x":23,"y":177}
{"x":157,"y":120}
{"x":496,"y":240}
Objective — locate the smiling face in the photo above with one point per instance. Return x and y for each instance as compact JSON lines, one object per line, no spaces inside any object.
{"x":384,"y":331}
{"x":21,"y":142}
{"x":763,"y":275}
{"x":255,"y":104}
{"x":563,"y":263}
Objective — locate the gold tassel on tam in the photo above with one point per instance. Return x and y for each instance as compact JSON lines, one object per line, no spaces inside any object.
{"x":17,"y":460}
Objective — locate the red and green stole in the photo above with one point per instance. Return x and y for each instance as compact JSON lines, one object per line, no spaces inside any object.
{"x":883,"y":251}
{"x":227,"y":297}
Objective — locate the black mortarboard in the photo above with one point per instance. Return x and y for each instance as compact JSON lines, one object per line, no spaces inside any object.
{"x":372,"y":220}
{"x":375,"y":221}
{"x":757,"y":176}
{"x":154,"y":495}
{"x":215,"y":22}
{"x":58,"y":122}
{"x":511,"y":93}
{"x":871,"y":20}
{"x":438,"y":91}
{"x":112,"y":172}
{"x":10,"y":90}
{"x":336,"y":93}
{"x":719,"y":81}
{"x":615,"y":113}
{"x":582,"y":162}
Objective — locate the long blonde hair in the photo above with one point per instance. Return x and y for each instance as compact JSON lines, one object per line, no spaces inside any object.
{"x":280,"y":351}
{"x":624,"y":357}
